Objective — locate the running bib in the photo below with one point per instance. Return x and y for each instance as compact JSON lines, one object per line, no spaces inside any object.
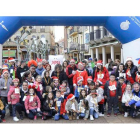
{"x":100,"y":76}
{"x":113,"y":87}
{"x":17,"y":90}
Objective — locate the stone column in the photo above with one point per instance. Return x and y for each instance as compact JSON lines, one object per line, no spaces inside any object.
{"x":1,"y":48}
{"x":97,"y":53}
{"x":112,"y":52}
{"x":104,"y":55}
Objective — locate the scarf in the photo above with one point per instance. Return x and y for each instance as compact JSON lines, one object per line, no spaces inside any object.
{"x":39,"y":71}
{"x":6,"y":79}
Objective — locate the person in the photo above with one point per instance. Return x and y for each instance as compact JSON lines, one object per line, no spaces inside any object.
{"x":85,"y":67}
{"x":65,"y":84}
{"x":137,"y":79}
{"x":112,"y":92}
{"x":47,"y":90}
{"x":109,"y":60}
{"x":83,"y":109}
{"x":72,"y":107}
{"x":21,"y":70}
{"x":110,"y":65}
{"x":27,"y":76}
{"x":127,"y":96}
{"x":101,"y":73}
{"x":91,"y":63}
{"x":70,"y":72}
{"x":94,"y":69}
{"x":64,"y":66}
{"x":32,"y":103}
{"x":2,"y":112}
{"x":48,"y":108}
{"x":63,"y":91}
{"x":14,"y":90}
{"x":60,"y":107}
{"x":82,"y":95}
{"x":93,"y":105}
{"x":117,"y":61}
{"x":0,"y":71}
{"x":32,"y":64}
{"x":40,"y":68}
{"x":61,"y":75}
{"x":123,"y":87}
{"x":120,"y":72}
{"x":131,"y":70}
{"x":5,"y":83}
{"x":46,"y":80}
{"x":134,"y":103}
{"x":114,"y":67}
{"x":48,"y":69}
{"x":89,"y":80}
{"x":12,"y":70}
{"x":91,"y":87}
{"x":44,"y":63}
{"x":81,"y":72}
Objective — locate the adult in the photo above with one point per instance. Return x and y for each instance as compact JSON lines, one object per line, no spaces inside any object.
{"x":85,"y":67}
{"x":12,"y":67}
{"x":114,"y":67}
{"x":131,"y":70}
{"x":39,"y":68}
{"x":70,"y":72}
{"x":109,"y":60}
{"x":120,"y":71}
{"x":21,"y":70}
{"x":117,"y":61}
{"x":101,"y":73}
{"x":44,"y":63}
{"x":61,"y":75}
{"x":91,"y":63}
{"x":64,"y":65}
{"x":94,"y":69}
{"x":48,"y":69}
{"x":110,"y":65}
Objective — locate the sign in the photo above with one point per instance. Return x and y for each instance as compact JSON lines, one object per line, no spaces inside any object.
{"x":55,"y":59}
{"x":11,"y":53}
{"x":87,"y":38}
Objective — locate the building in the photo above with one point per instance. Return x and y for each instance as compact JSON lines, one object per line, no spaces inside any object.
{"x":83,"y":42}
{"x":61,"y":46}
{"x":42,"y":33}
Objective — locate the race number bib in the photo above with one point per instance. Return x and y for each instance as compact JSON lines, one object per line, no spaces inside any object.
{"x":58,"y":103}
{"x":122,"y":75}
{"x":100,"y":76}
{"x":40,"y":86}
{"x":113,"y":87}
{"x":17,"y":90}
{"x":11,"y":70}
{"x":21,"y":74}
{"x":31,"y":98}
{"x":136,"y":98}
{"x":24,"y":98}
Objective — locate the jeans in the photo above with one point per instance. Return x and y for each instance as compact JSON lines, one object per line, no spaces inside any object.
{"x":93,"y":113}
{"x":82,"y":115}
{"x":57,"y":116}
{"x":32,"y":113}
{"x":14,"y":110}
{"x":2,"y":114}
{"x":20,"y":107}
{"x":71,"y":89}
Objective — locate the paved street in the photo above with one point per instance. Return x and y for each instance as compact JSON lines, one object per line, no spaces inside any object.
{"x":105,"y":119}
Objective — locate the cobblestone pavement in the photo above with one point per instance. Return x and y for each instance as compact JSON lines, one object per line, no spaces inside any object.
{"x":105,"y":119}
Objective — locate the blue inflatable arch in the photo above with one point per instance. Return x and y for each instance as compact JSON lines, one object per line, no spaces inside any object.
{"x":125,"y":29}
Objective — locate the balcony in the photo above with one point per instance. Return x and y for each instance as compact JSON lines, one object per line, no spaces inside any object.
{"x":73,"y":31}
{"x":80,"y":29}
{"x":74,"y":47}
{"x":84,"y":48}
{"x":92,"y":38}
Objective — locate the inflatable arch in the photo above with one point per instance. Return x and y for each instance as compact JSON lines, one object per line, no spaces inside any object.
{"x":125,"y":28}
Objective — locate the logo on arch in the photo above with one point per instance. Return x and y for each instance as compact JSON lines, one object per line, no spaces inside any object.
{"x":125,"y":25}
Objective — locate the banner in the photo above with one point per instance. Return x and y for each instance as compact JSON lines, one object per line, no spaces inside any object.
{"x":55,"y":59}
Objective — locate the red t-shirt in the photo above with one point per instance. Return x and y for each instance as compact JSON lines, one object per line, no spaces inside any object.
{"x":129,"y":78}
{"x":112,"y":92}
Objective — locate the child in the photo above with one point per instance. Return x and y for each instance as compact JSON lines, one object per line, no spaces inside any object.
{"x":138,"y":75}
{"x":38,"y":87}
{"x":100,"y":92}
{"x":79,"y":87}
{"x":123,"y":86}
{"x":14,"y":97}
{"x":65,"y":84}
{"x":2,"y":112}
{"x":91,"y":87}
{"x":93,"y":105}
{"x":32,"y":103}
{"x":72,"y":107}
{"x":48,"y":107}
{"x":83,"y":95}
{"x":55,"y":85}
{"x":63,"y":91}
{"x":83,"y":109}
{"x":112,"y":91}
{"x":126,"y":97}
{"x":27,"y":76}
{"x":89,"y":80}
{"x":48,"y":90}
{"x":60,"y":106}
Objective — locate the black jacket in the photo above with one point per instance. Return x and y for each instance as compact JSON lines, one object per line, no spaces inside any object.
{"x":118,"y":73}
{"x":34,"y":74}
{"x":22,"y":94}
{"x":45,"y":83}
{"x":107,"y":90}
{"x":94,"y":72}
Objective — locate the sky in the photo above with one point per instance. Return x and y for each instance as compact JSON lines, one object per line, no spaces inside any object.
{"x":59,"y":33}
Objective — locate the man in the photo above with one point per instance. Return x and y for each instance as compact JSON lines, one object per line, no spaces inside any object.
{"x":109,"y":60}
{"x":135,"y":102}
{"x":44,"y":63}
{"x":87,"y":68}
{"x":91,"y":63}
{"x":95,"y":62}
{"x":70,"y":72}
{"x":12,"y":67}
{"x":21,"y":70}
{"x":40,"y":68}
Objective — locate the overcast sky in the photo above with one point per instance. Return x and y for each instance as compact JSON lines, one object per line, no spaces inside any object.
{"x":59,"y":32}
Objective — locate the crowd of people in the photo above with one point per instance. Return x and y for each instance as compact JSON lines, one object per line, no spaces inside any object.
{"x":73,"y":90}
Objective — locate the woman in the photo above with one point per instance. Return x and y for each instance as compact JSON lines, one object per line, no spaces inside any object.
{"x":120,"y":71}
{"x":27,"y":76}
{"x":101,"y":73}
{"x":48,"y":69}
{"x":64,"y":65}
{"x":117,"y":61}
{"x":131,"y":70}
{"x":61,"y":75}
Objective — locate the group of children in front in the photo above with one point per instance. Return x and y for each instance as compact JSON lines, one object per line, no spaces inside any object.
{"x":56,"y":100}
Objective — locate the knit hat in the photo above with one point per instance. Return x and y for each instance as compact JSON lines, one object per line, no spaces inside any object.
{"x":90,"y":59}
{"x":15,"y":80}
{"x":100,"y":81}
{"x":99,"y":62}
{"x":89,"y":78}
{"x":4,"y":67}
{"x":70,"y":97}
{"x":11,"y":59}
{"x":72,"y":60}
{"x":129,"y":59}
{"x":79,"y":79}
{"x":54,"y":78}
{"x":4,"y":71}
{"x":31,"y":87}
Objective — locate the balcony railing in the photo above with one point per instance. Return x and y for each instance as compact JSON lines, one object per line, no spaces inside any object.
{"x":74,"y":46}
{"x":97,"y":34}
{"x":84,"y":48}
{"x":91,"y":36}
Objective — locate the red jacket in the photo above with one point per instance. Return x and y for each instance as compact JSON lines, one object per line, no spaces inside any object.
{"x":105,"y":76}
{"x":123,"y":86}
{"x":12,"y":92}
{"x":78,"y":74}
{"x":29,"y":105}
{"x":62,"y":109}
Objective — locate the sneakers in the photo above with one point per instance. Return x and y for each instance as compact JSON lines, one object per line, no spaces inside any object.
{"x":15,"y":119}
{"x":115,"y":114}
{"x":108,"y":115}
{"x":134,"y":114}
{"x":74,"y":116}
{"x":100,"y":114}
{"x":77,"y":117}
{"x":35,"y":117}
{"x":126,"y":114}
{"x":3,"y":120}
{"x":91,"y":118}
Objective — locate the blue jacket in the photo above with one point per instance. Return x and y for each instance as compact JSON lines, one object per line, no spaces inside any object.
{"x":39,"y":71}
{"x":137,"y":103}
{"x":76,"y":91}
